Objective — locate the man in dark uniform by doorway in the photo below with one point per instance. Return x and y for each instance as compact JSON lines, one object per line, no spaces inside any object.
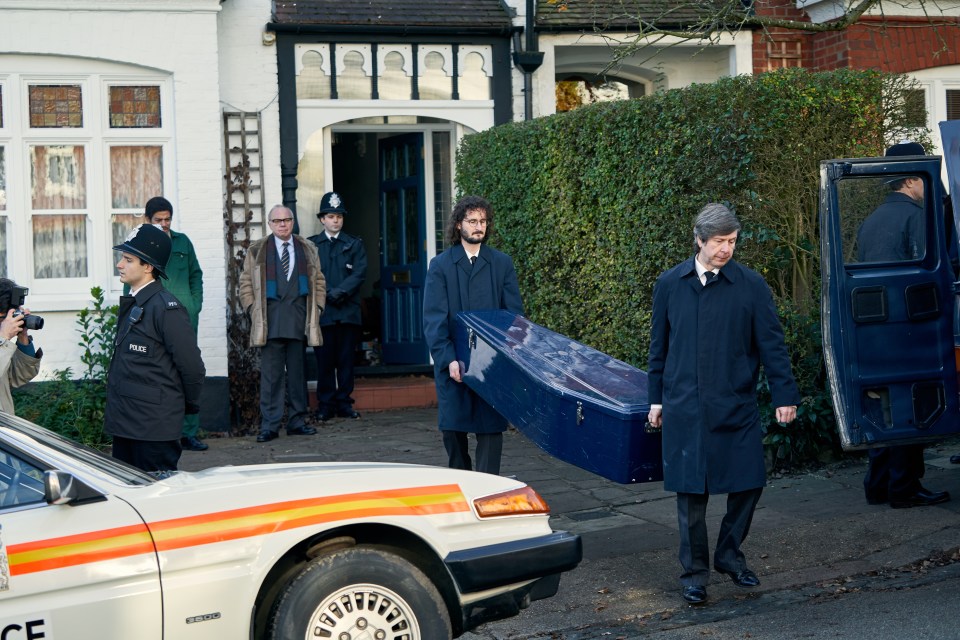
{"x":894,"y":232}
{"x":343,"y":260}
{"x":156,"y":373}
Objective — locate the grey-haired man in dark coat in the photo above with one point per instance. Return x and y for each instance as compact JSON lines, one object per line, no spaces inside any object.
{"x":714,"y":322}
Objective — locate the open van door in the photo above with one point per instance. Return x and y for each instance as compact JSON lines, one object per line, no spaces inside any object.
{"x":888,"y":320}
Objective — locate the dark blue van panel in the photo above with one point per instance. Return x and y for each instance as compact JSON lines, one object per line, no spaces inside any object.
{"x":576,"y":403}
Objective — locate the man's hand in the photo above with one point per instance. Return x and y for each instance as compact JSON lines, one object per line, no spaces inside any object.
{"x":336,"y":296}
{"x":786,"y":414}
{"x":12,"y":326}
{"x":454,"y":370}
{"x":655,"y":417}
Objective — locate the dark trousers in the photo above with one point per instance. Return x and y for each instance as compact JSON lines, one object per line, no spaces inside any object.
{"x":147,"y":455}
{"x":335,"y":366}
{"x":489,"y":448}
{"x":694,"y":547}
{"x":282,"y":359}
{"x":894,"y":472}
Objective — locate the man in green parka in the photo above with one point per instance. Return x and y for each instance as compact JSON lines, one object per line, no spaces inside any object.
{"x":185,"y":281}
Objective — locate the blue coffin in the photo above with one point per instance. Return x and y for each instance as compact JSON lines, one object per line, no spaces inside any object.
{"x":578,"y":404}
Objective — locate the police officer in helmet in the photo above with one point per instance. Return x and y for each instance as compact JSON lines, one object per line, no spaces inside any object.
{"x":156,"y":373}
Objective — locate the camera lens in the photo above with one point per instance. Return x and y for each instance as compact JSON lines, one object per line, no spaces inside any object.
{"x":33,"y":322}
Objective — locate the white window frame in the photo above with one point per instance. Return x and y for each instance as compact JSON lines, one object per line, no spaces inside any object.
{"x":97,"y":137}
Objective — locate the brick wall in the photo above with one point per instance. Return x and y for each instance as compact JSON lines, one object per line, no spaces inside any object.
{"x":895,"y":43}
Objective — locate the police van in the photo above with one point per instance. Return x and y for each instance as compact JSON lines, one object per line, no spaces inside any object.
{"x":890,"y":319}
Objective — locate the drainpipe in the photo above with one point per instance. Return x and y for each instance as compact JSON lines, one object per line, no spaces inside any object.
{"x":529,"y":60}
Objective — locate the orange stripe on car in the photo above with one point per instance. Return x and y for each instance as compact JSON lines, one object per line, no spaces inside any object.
{"x":208,"y":528}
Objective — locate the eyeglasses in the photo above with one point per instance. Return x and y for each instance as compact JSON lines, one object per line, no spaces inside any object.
{"x":476,"y":222}
{"x":282,"y":220}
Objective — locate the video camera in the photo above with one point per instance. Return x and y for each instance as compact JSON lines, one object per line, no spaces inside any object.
{"x":18,"y":297}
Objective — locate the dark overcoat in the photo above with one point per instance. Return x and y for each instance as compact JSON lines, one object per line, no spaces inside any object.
{"x":706,"y":347}
{"x":453,"y":285}
{"x":156,"y":370}
{"x":344,"y":265}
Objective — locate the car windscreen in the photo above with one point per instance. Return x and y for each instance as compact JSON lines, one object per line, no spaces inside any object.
{"x":82,"y":453}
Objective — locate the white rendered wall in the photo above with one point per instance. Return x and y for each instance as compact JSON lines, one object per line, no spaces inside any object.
{"x":178,"y":37}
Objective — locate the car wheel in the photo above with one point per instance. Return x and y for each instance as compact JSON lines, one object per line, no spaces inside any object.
{"x":360,"y":592}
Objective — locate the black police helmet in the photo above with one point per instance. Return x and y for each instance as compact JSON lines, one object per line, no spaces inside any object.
{"x":150,"y":244}
{"x":331,"y":203}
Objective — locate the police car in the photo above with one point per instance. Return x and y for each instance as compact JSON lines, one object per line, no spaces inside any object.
{"x":93,"y":549}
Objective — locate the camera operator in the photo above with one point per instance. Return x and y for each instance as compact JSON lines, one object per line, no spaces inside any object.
{"x":19,"y":361}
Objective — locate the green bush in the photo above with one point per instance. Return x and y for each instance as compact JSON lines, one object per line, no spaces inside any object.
{"x":75,"y":408}
{"x":595,"y":203}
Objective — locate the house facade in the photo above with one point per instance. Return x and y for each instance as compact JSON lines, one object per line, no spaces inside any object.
{"x":227,"y":107}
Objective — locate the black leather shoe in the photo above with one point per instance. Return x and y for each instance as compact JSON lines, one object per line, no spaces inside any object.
{"x":323,"y":416}
{"x":191,"y":443}
{"x":955,"y":458}
{"x":267,"y":436}
{"x":348,"y":413}
{"x":743,"y":578}
{"x":695,"y":595}
{"x":301,"y":431}
{"x":922,"y":498}
{"x":876,"y":499}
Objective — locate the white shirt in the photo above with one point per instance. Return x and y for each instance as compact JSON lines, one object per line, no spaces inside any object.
{"x":293,"y":254}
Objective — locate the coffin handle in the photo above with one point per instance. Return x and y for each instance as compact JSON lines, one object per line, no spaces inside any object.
{"x":471,"y":339}
{"x":649,"y":428}
{"x":579,"y":413}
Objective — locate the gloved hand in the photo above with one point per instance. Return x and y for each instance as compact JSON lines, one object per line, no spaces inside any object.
{"x":336,"y":296}
{"x":191,"y":408}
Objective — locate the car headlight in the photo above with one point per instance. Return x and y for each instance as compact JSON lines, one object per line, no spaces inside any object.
{"x":520,"y":501}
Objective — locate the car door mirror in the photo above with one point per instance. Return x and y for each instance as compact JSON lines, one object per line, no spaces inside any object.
{"x":59,"y":487}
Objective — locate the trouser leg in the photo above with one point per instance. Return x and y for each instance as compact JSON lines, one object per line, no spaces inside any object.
{"x":458,"y":454}
{"x":489,"y":450}
{"x":905,"y":468}
{"x":294,"y":354}
{"x":326,"y":370}
{"x":349,"y":335}
{"x":734,"y":529}
{"x":694,"y":548}
{"x":191,"y":425}
{"x":272,"y":364}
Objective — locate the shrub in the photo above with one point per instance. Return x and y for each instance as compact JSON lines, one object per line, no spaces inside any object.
{"x":595,"y":203}
{"x":75,"y":408}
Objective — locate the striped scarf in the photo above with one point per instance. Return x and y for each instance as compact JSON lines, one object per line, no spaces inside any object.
{"x":273,"y":259}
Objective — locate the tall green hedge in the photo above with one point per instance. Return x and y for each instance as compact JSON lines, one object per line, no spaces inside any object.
{"x":595,"y":203}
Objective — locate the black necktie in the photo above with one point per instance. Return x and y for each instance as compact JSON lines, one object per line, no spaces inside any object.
{"x":285,"y":260}
{"x":473,"y":259}
{"x":333,"y":239}
{"x":710,"y":276}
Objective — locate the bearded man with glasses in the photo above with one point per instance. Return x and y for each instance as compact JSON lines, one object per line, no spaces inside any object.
{"x":468,"y":276}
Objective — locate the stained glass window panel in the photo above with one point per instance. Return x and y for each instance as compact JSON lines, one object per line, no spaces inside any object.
{"x":57,"y":177}
{"x":56,"y":106}
{"x":135,"y":107}
{"x":60,"y":246}
{"x":136,"y":175}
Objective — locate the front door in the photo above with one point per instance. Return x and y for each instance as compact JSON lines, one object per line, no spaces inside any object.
{"x":888,"y":302}
{"x":402,"y":252}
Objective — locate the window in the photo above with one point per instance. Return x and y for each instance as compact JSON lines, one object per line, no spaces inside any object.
{"x":883,"y":219}
{"x":953,"y":105}
{"x":80,"y":155}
